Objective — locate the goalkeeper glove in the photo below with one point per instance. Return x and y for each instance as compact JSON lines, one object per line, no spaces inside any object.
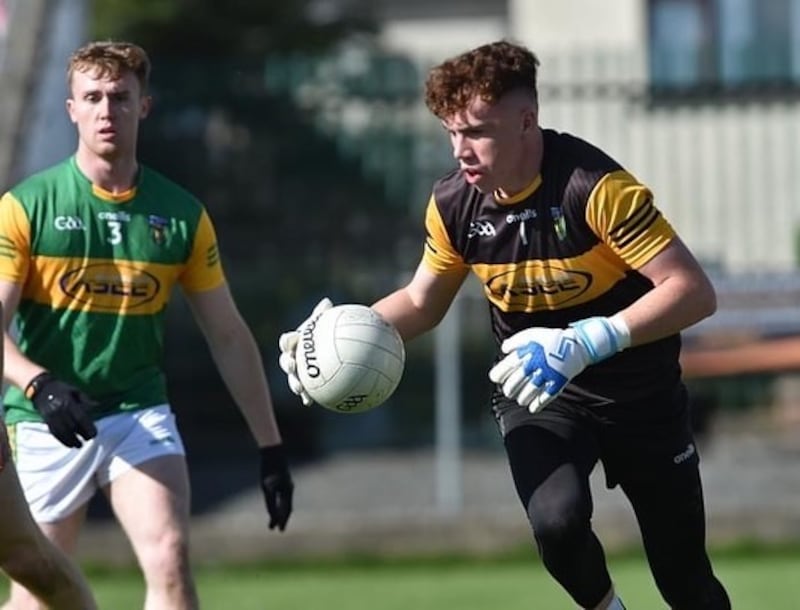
{"x":288,"y":343}
{"x":277,"y":485}
{"x":64,"y":408}
{"x":540,"y":362}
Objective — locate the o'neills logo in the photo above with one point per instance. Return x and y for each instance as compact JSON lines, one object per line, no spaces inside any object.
{"x":309,"y":348}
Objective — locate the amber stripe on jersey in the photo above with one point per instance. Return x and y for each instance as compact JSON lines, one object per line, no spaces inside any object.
{"x":575,"y":235}
{"x":621,"y":212}
{"x":570,"y":245}
{"x":102,"y":286}
{"x":96,"y":270}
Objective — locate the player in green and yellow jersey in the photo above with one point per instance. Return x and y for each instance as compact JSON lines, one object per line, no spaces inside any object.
{"x":90,"y":251}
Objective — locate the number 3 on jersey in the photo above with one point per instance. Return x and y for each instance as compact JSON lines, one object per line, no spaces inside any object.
{"x":115,"y":226}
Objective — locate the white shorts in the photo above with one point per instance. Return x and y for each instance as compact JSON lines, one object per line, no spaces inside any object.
{"x":58,"y":480}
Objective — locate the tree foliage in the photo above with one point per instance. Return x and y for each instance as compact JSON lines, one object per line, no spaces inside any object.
{"x":299,"y":209}
{"x":243,"y":28}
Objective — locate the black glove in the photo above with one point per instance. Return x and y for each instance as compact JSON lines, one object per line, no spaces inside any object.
{"x":276,"y":483}
{"x":64,"y":408}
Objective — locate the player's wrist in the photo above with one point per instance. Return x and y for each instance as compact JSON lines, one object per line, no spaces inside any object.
{"x":602,"y":337}
{"x":273,"y":457}
{"x":35,"y":385}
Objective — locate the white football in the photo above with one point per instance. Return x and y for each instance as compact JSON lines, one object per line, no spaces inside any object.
{"x":349,"y":359}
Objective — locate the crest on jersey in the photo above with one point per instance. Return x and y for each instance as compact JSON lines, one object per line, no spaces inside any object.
{"x":559,"y":223}
{"x":158,"y":228}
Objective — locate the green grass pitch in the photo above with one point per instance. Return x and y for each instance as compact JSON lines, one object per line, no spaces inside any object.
{"x":756,"y":579}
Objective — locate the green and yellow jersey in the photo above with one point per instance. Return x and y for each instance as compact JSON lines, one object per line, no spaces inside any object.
{"x":97,"y":270}
{"x":566,"y":248}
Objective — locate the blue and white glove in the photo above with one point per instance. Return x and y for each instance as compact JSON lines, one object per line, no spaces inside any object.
{"x":287,"y":343}
{"x":540,"y":362}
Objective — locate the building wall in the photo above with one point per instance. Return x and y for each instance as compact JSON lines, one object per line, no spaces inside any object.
{"x":723,"y":171}
{"x":430,"y":40}
{"x":433,"y":30}
{"x":569,"y":25}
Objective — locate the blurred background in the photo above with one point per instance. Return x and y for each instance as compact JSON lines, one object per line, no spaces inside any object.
{"x":300,"y":125}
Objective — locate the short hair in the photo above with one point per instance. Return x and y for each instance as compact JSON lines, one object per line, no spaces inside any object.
{"x":487,"y":72}
{"x":111,"y":59}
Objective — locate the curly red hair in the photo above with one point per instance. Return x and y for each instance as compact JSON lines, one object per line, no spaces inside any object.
{"x":487,"y":72}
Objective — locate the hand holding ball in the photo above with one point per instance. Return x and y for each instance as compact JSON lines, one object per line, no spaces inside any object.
{"x":348,"y":358}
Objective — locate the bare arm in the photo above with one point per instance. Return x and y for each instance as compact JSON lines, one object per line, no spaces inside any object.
{"x":754,"y":356}
{"x":682,"y":295}
{"x":238,"y":360}
{"x":19,"y":370}
{"x":422,"y":303}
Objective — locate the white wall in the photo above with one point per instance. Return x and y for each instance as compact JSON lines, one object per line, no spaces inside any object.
{"x":431,"y":41}
{"x":546,"y":26}
{"x":549,"y":26}
{"x":724,"y":173}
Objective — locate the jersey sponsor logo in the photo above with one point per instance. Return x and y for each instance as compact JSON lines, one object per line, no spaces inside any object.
{"x":69,"y":223}
{"x":521,"y":216}
{"x":481,"y":228}
{"x":110,"y":287}
{"x":533,"y":288}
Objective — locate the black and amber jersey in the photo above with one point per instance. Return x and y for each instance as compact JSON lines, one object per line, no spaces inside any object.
{"x":566,"y":248}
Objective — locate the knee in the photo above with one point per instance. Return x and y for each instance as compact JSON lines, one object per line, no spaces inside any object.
{"x":166,"y":558}
{"x":32,"y":568}
{"x":559,"y":531}
{"x":21,"y":562}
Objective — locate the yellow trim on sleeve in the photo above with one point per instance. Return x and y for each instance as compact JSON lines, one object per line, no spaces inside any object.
{"x":15,"y":239}
{"x":203,"y":270}
{"x":621,"y":212}
{"x":439,"y":255}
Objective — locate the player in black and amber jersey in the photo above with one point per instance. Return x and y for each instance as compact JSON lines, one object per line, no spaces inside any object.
{"x":588,"y":288}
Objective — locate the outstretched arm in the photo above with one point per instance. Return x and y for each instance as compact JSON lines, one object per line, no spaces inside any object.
{"x":421,"y":304}
{"x":238,"y":360}
{"x":755,"y":356}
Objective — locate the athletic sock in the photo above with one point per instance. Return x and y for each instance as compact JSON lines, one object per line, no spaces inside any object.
{"x":616,"y":604}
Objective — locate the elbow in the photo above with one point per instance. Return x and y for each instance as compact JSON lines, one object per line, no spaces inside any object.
{"x":412,"y":328}
{"x":707,"y":301}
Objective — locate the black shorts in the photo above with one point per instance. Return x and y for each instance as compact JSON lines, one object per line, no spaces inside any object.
{"x":645,"y":438}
